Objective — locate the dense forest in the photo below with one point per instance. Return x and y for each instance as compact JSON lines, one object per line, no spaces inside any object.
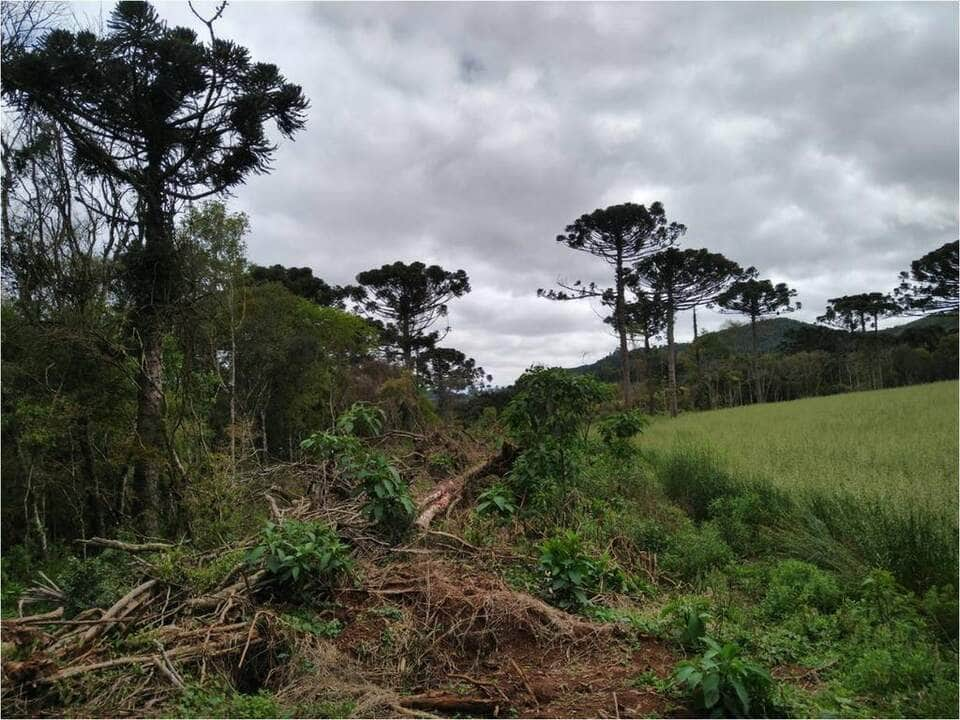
{"x":164,"y":395}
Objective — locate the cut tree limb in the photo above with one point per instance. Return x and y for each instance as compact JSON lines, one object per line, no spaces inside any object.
{"x":128,"y":547}
{"x":120,"y":608}
{"x":445,"y":703}
{"x":438,"y":499}
{"x":42,"y":617}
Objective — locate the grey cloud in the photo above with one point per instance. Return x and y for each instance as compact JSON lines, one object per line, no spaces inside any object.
{"x":818,"y":142}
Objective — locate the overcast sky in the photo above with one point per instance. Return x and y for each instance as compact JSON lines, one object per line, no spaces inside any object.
{"x":818,"y":142}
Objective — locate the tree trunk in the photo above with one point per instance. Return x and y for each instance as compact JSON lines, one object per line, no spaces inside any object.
{"x":648,"y":373}
{"x":263,"y":433}
{"x":756,"y":361}
{"x":146,"y":476}
{"x":671,"y":363}
{"x":152,"y":278}
{"x":233,"y":386}
{"x":407,"y":342}
{"x":696,"y":348}
{"x":622,"y":332}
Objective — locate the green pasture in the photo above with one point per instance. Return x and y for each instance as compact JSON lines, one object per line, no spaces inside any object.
{"x":898,"y":444}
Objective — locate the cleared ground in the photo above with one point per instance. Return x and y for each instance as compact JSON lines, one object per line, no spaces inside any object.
{"x":900,"y":444}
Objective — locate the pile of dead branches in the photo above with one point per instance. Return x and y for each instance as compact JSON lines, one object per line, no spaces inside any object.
{"x":148,"y":636}
{"x":160,"y":631}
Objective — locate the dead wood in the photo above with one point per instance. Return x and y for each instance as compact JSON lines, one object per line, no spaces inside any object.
{"x":128,"y":547}
{"x":120,"y":608}
{"x":438,"y":499}
{"x":32,"y":619}
{"x":448,"y":703}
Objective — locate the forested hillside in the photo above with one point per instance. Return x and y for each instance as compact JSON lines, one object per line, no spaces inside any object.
{"x":797,"y":360}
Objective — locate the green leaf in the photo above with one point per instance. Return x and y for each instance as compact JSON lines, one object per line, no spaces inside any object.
{"x":711,"y":690}
{"x":741,"y":694}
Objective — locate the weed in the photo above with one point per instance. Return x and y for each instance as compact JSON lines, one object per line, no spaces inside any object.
{"x":617,"y":430}
{"x":695,"y":551}
{"x":301,"y":554}
{"x":686,"y":619}
{"x":574,"y":577}
{"x":223,"y":702}
{"x":498,"y":499}
{"x":98,"y":581}
{"x":306,"y":622}
{"x":722,"y":682}
{"x":794,"y":584}
{"x":692,"y":477}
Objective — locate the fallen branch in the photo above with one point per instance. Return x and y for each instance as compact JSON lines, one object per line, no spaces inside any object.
{"x":120,"y":608}
{"x":33,"y":619}
{"x":128,"y":547}
{"x":450,"y":704}
{"x":438,"y":499}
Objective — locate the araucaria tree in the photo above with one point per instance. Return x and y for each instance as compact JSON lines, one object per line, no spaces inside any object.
{"x":756,"y":299}
{"x":645,"y":318}
{"x":447,"y":370}
{"x":683,"y":279}
{"x":620,"y":235}
{"x":152,"y":108}
{"x":301,"y":281}
{"x":931,"y":285}
{"x":409,"y":300}
{"x":851,"y":312}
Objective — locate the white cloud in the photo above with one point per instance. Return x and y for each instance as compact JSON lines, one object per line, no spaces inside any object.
{"x":816,"y":141}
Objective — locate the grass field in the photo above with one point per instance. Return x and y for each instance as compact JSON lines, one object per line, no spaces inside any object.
{"x":898,"y":444}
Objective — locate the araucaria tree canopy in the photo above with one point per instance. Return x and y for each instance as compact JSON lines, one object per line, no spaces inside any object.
{"x":152,"y":108}
{"x":756,"y":299}
{"x":931,"y":285}
{"x":620,"y":235}
{"x":410,"y":299}
{"x":683,"y":279}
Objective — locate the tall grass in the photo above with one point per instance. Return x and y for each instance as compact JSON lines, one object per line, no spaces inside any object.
{"x":832,"y":528}
{"x":898,"y":446}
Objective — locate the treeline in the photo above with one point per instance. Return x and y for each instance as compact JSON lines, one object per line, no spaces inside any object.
{"x":148,"y":368}
{"x":809,"y":361}
{"x":654,"y":280}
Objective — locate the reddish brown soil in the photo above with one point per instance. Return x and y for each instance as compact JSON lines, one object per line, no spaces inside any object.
{"x":518,"y":674}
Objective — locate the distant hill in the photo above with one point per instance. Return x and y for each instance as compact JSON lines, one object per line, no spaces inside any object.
{"x":947,"y":322}
{"x":770,"y":335}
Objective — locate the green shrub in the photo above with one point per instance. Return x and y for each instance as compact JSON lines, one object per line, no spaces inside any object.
{"x":650,"y":535}
{"x":795,"y":584}
{"x":941,"y":608}
{"x":686,"y":619}
{"x":693,"y":478}
{"x":301,"y":555}
{"x":218,"y":701}
{"x":722,"y":683}
{"x":98,"y":581}
{"x":547,"y":418}
{"x":617,"y":431}
{"x":741,"y":514}
{"x":361,"y":420}
{"x":498,"y":499}
{"x":551,"y":403}
{"x":882,"y":670}
{"x":388,"y":502}
{"x":573,"y":576}
{"x":306,"y":622}
{"x":696,"y":550}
